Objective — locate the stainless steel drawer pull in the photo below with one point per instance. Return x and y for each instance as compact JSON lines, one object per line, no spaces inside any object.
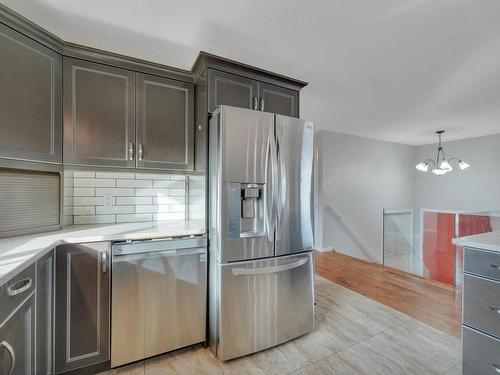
{"x":104,"y":261}
{"x":495,"y":367}
{"x":495,"y":309}
{"x":497,"y":266}
{"x":261,"y":271}
{"x":131,"y":150}
{"x":140,"y":153}
{"x":19,"y":287}
{"x":12,"y":355}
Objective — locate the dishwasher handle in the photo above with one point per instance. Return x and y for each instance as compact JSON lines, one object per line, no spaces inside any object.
{"x":158,"y":254}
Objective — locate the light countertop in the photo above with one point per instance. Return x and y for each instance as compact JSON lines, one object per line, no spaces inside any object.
{"x":17,"y":252}
{"x":486,"y":241}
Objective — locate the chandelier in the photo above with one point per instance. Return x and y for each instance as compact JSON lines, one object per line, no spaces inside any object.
{"x":441,"y":165}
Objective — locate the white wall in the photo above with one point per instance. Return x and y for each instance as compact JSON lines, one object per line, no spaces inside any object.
{"x":359,"y":177}
{"x":474,"y":189}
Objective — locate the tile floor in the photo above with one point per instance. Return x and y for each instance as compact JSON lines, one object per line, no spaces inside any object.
{"x":353,"y":335}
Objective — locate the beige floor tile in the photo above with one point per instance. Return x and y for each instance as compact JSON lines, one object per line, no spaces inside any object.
{"x":455,"y":370}
{"x":428,"y":341}
{"x":342,"y":363}
{"x":188,"y":361}
{"x":270,"y":361}
{"x":387,"y":355}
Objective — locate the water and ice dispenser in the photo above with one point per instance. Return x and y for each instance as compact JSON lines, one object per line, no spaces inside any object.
{"x":246,"y":210}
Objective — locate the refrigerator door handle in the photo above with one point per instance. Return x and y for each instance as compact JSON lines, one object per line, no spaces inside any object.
{"x":271,"y":200}
{"x":267,"y":270}
{"x":282,"y":187}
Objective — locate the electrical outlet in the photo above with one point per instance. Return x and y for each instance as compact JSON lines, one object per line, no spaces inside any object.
{"x":108,"y":200}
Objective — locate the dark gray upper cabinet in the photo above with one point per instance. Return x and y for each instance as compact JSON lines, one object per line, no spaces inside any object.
{"x":231,"y":89}
{"x":17,"y":341}
{"x":99,"y":114}
{"x":165,"y":124}
{"x":278,"y":100}
{"x":45,"y":314}
{"x":82,"y":305}
{"x":30,"y":99}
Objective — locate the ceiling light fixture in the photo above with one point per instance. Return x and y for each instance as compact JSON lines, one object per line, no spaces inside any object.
{"x":441,"y":165}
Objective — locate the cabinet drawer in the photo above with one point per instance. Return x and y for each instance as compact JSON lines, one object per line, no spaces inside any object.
{"x":481,"y":353}
{"x":482,"y":263}
{"x":482,"y":304}
{"x":16,"y":290}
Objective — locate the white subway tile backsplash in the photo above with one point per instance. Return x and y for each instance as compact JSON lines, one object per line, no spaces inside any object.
{"x":115,"y":192}
{"x":94,"y":197}
{"x":169,"y":200}
{"x":152,"y":208}
{"x":134,"y":183}
{"x":133,"y":200}
{"x":168,"y":216}
{"x":177,"y":208}
{"x":114,"y":210}
{"x":152,"y":192}
{"x":133,"y":218}
{"x":88,"y":201}
{"x":95,"y":219}
{"x":84,"y":210}
{"x":168,"y":184}
{"x":152,"y":176}
{"x":94,"y":182}
{"x":85,"y":174}
{"x":129,"y":175}
{"x":83,"y":192}
{"x":177,"y":192}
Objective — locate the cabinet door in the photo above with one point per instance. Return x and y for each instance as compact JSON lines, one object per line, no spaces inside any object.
{"x":82,"y":305}
{"x":45,"y":314}
{"x":230,"y":89}
{"x":99,"y":114}
{"x":278,"y":100}
{"x":17,"y":341}
{"x":165,"y":123}
{"x":30,"y":99}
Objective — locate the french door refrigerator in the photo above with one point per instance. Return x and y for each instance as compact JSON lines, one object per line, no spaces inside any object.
{"x":260,"y":230}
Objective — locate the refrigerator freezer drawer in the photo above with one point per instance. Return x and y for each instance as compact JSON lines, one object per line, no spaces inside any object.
{"x":264,"y":303}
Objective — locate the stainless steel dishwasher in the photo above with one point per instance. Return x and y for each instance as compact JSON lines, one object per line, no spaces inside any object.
{"x":158,"y":297}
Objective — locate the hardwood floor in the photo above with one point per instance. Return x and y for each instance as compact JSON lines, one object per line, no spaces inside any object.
{"x":430,"y":302}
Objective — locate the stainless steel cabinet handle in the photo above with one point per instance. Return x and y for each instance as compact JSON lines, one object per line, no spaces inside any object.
{"x":495,"y":309}
{"x":495,"y":367}
{"x":19,"y":287}
{"x":261,"y":104}
{"x":254,"y":103}
{"x":260,"y":271}
{"x":140,"y":153}
{"x":131,"y":150}
{"x":12,"y":355}
{"x":104,"y":261}
{"x":496,"y":266}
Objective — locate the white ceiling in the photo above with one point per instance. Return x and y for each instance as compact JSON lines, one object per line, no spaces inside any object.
{"x":394,"y":70}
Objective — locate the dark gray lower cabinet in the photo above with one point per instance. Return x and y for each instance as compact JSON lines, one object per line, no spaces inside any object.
{"x":17,"y":340}
{"x":82,"y":305}
{"x":45,"y":315}
{"x":280,"y":100}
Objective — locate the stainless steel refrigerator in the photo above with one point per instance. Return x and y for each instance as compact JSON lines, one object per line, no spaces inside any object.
{"x":260,"y":230}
